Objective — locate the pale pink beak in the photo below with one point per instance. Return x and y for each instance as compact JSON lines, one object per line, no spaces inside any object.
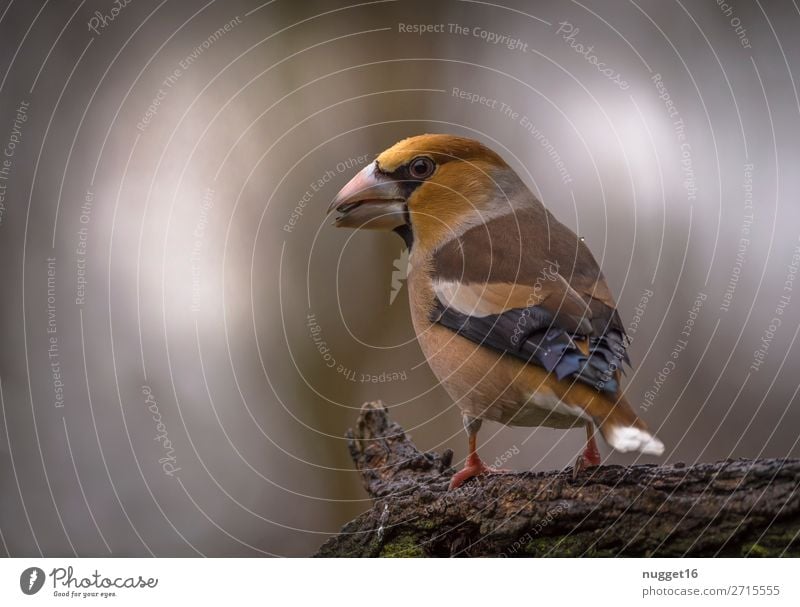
{"x":370,"y":200}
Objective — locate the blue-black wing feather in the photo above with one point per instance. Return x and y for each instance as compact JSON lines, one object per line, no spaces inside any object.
{"x":533,"y":335}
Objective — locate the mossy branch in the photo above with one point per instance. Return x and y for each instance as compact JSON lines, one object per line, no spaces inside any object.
{"x":730,"y":508}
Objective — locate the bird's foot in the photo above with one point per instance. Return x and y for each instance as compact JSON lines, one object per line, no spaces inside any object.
{"x":473,"y":467}
{"x":590,"y":458}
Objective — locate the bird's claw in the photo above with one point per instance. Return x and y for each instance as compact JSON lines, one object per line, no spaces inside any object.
{"x":590,"y":458}
{"x":470,"y":470}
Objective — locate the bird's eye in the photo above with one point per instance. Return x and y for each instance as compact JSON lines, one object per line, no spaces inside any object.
{"x":421,"y":167}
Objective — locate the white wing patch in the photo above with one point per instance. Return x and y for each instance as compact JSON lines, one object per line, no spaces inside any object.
{"x":484,"y":299}
{"x":462,"y":298}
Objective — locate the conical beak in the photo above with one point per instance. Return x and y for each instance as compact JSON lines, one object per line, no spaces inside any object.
{"x":370,"y":200}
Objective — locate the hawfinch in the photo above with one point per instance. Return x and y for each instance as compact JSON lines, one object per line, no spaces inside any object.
{"x":509,"y":306}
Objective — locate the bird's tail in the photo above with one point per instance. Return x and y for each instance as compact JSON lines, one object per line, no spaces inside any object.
{"x":624,"y":430}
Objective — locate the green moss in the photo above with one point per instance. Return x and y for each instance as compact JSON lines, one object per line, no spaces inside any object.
{"x":783,"y":544}
{"x":426,"y":523}
{"x":575,"y":545}
{"x":755,"y":549}
{"x":539,"y":546}
{"x":403,"y":546}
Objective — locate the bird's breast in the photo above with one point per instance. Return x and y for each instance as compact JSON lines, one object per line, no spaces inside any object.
{"x":481,"y":381}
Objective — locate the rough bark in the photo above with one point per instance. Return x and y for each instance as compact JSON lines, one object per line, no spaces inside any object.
{"x":730,"y":508}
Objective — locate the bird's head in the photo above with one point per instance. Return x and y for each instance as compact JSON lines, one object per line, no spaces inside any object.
{"x":427,"y":188}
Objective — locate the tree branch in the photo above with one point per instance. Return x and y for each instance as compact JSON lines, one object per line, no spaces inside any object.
{"x":730,"y":508}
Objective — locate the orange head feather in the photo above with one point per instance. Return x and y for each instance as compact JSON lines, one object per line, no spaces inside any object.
{"x":431,"y":185}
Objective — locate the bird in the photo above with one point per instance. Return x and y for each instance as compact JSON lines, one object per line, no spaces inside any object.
{"x":509,"y":306}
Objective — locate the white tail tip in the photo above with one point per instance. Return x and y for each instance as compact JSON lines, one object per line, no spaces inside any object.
{"x":629,"y":438}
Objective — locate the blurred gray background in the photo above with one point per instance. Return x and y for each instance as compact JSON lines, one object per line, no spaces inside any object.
{"x":167,"y":263}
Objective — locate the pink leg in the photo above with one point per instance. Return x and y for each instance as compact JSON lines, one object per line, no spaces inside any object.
{"x":590,"y":456}
{"x":473,"y":466}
